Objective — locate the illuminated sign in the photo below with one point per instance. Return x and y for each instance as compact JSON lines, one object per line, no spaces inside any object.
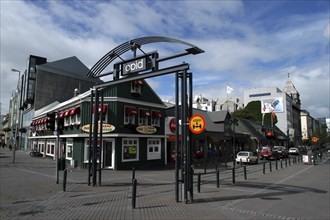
{"x":138,"y":64}
{"x":146,"y":129}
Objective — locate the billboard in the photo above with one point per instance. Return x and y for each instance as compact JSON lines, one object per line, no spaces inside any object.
{"x":272,"y":105}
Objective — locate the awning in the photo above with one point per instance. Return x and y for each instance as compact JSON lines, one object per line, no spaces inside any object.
{"x":131,"y":111}
{"x":66,"y":113}
{"x":156,"y":114}
{"x":144,"y":112}
{"x":75,"y":110}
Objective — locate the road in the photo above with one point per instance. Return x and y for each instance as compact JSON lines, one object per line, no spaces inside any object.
{"x":296,"y":191}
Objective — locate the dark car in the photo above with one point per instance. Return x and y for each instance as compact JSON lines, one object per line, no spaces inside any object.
{"x":282,"y":151}
{"x":268,"y":152}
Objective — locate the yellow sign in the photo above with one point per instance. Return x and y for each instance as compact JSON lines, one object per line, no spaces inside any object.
{"x":106,"y":128}
{"x":197,"y":124}
{"x":146,"y":129}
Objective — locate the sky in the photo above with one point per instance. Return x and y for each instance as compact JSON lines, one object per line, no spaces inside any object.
{"x":248,"y":44}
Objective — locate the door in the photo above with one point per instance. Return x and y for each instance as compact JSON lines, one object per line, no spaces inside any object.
{"x":108,"y":154}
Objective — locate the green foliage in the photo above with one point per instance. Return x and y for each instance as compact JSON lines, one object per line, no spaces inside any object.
{"x":253,"y":112}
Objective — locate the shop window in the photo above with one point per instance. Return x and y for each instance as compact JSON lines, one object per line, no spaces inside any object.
{"x":86,"y":151}
{"x":130,"y":149}
{"x":69,"y":150}
{"x":144,"y":116}
{"x":50,"y":148}
{"x":155,"y":118}
{"x":154,"y":149}
{"x":104,"y":113}
{"x":129,"y":117}
{"x":67,"y":118}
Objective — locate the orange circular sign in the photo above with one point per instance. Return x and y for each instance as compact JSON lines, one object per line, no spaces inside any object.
{"x":315,"y":139}
{"x":197,"y":124}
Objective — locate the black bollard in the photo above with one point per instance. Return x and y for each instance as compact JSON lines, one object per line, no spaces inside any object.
{"x":245,"y":177}
{"x":218,"y":178}
{"x":65,"y":174}
{"x":205,"y":164}
{"x":263,"y":168}
{"x":270,"y":166}
{"x":133,"y":174}
{"x":233,"y":175}
{"x":289,"y":161}
{"x":134,"y":193}
{"x":199,"y":183}
{"x":281,"y":164}
{"x":286,"y":162}
{"x":276,"y":164}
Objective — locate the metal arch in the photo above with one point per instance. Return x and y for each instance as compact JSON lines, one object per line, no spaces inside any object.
{"x":97,"y":69}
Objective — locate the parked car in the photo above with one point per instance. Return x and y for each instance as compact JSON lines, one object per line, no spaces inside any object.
{"x":246,"y":157}
{"x":293,"y":150}
{"x":268,"y":152}
{"x":282,"y":151}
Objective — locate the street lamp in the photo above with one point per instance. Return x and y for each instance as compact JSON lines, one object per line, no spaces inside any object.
{"x":17,"y":122}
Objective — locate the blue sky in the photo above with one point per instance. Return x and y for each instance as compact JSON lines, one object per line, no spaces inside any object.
{"x":247,"y":44}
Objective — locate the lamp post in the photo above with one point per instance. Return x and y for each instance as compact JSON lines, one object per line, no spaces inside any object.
{"x":17,"y":122}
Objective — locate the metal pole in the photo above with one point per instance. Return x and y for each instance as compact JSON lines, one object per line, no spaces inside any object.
{"x":17,"y":121}
{"x":177,"y":179}
{"x":95,"y":128}
{"x":57,"y":147}
{"x":90,"y":141}
{"x":101,"y":139}
{"x":189,"y":141}
{"x":184,"y":133}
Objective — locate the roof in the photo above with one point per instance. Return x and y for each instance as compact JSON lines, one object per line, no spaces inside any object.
{"x":70,"y":66}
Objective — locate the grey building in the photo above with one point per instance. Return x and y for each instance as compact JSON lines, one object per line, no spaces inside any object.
{"x":44,"y":83}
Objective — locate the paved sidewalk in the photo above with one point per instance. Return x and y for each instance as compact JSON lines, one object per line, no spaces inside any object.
{"x":29,"y":191}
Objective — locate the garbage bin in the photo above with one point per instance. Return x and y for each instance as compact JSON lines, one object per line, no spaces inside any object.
{"x":61,"y":163}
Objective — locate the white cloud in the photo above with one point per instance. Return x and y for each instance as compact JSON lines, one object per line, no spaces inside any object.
{"x":241,"y":48}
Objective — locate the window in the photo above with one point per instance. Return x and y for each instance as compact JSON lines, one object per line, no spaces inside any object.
{"x":154,"y":151}
{"x":69,"y":149}
{"x":67,"y":120}
{"x":136,"y":86}
{"x":50,"y":148}
{"x":143,"y":116}
{"x":86,"y":152}
{"x":104,"y":113}
{"x":129,"y":117}
{"x":130,"y":149}
{"x":155,"y":118}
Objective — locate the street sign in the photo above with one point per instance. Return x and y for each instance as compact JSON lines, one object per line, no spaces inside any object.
{"x":197,"y":124}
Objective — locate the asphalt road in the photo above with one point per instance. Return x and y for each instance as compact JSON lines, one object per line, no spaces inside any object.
{"x":28,"y":190}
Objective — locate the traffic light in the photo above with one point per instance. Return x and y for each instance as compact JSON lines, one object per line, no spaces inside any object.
{"x":51,"y":121}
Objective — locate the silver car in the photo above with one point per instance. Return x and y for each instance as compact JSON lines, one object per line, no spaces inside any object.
{"x":246,"y":157}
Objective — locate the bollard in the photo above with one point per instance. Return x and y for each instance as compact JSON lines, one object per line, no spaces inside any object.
{"x":240,"y":162}
{"x":134,"y":193}
{"x":276,"y":164}
{"x":289,"y":161}
{"x":205,"y":164}
{"x":263,"y":168}
{"x":65,"y":174}
{"x":199,"y":183}
{"x":218,"y":178}
{"x":245,"y":177}
{"x":216,"y":166}
{"x":233,"y":175}
{"x":286,"y":162}
{"x":133,"y":174}
{"x":270,"y":166}
{"x":281,"y":164}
